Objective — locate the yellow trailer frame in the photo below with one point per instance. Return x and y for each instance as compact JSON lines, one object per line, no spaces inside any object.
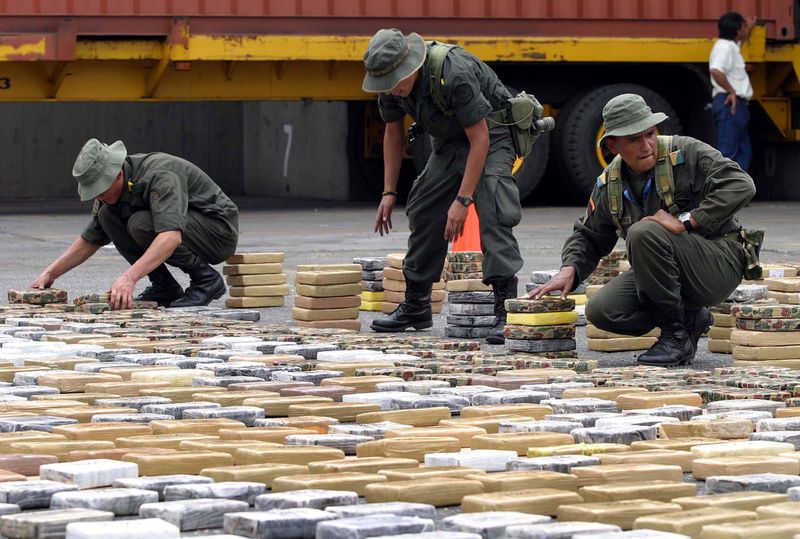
{"x":289,"y":67}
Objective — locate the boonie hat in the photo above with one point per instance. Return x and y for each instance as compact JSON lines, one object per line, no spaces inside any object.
{"x":628,"y":114}
{"x":97,"y":166}
{"x":390,"y":58}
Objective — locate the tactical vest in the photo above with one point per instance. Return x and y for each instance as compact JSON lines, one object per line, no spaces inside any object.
{"x":664,"y":180}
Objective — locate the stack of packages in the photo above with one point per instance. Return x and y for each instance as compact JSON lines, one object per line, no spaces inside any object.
{"x":371,"y":282}
{"x":719,"y":336}
{"x":579,"y":295}
{"x":610,"y":266}
{"x":255,"y":280}
{"x":545,"y":327}
{"x":768,"y":334}
{"x":470,"y":313}
{"x":328,"y":296}
{"x":394,"y":286}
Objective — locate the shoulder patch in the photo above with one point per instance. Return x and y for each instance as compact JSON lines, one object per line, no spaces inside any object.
{"x":676,"y":157}
{"x":96,"y":207}
{"x":704,"y":163}
{"x":601,"y":180}
{"x":462,"y":94}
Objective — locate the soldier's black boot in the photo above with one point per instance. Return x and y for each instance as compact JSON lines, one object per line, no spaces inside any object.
{"x":206,"y":285}
{"x":698,"y":322}
{"x":414,"y":312}
{"x":163,"y":288}
{"x":673,"y":348}
{"x":505,"y":288}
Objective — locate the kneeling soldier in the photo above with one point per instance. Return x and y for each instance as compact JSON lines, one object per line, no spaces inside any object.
{"x":674,"y":201}
{"x":157,"y":209}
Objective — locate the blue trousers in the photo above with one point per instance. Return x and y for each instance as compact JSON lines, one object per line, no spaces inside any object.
{"x":733,"y":139}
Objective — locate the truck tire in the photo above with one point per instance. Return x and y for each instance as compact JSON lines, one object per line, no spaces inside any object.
{"x":579,"y":126}
{"x":527,"y":177}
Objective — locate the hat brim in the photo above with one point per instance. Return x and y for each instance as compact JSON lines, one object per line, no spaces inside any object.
{"x":631,"y":129}
{"x":116,"y":157}
{"x":414,"y":61}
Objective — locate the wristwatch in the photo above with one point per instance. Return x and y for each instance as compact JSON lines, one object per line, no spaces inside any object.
{"x":466,"y":201}
{"x":686,"y":219}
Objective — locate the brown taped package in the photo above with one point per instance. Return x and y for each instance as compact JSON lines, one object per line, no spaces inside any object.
{"x":262,"y":473}
{"x":186,"y":462}
{"x":361,"y":465}
{"x":166,"y":441}
{"x":653,"y":456}
{"x":102,"y":431}
{"x":661,"y":491}
{"x":656,"y":399}
{"x":362,"y":384}
{"x":744,"y":465}
{"x":266,"y":434}
{"x":619,"y":473}
{"x":423,"y":417}
{"x":621,"y":513}
{"x":197,"y":426}
{"x":429,"y":472}
{"x":525,"y":480}
{"x":409,"y":448}
{"x":464,"y":434}
{"x":520,"y":441}
{"x":691,"y":522}
{"x":60,"y":449}
{"x":779,"y":510}
{"x":350,"y":481}
{"x":773,"y":528}
{"x":538,"y":501}
{"x":536,"y":411}
{"x":346,"y":412}
{"x":279,"y":406}
{"x":673,"y":444}
{"x":440,"y":492}
{"x":288,"y":455}
{"x":491,"y":424}
{"x":720,"y":429}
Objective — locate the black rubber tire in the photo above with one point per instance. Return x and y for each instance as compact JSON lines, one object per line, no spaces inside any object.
{"x":577,"y":126}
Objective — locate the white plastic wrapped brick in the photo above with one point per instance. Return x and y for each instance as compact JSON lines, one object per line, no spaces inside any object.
{"x":371,"y":526}
{"x":89,"y":473}
{"x":564,"y":427}
{"x":407,"y":509}
{"x":311,"y":498}
{"x":490,"y":524}
{"x":151,"y":528}
{"x":558,"y":530}
{"x":488,"y":460}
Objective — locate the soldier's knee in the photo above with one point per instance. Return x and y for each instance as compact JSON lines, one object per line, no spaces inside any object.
{"x":643,"y":233}
{"x":597,"y":315}
{"x":140,"y":228}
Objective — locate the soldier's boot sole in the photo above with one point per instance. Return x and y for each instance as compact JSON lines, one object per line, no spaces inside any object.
{"x":419,"y":326}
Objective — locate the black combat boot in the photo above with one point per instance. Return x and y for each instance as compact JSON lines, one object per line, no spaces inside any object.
{"x":503,"y":288}
{"x":206,"y":285}
{"x":698,"y":322}
{"x":414,"y":312}
{"x":163,"y":288}
{"x":673,"y":348}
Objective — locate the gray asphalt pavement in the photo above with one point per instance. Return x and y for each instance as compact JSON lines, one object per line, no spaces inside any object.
{"x":30,"y":241}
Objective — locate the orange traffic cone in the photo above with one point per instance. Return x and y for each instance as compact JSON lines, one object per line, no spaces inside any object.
{"x":470,"y":240}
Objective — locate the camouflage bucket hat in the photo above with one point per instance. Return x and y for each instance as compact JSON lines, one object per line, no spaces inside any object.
{"x":390,"y":58}
{"x":628,"y":114}
{"x":97,"y":166}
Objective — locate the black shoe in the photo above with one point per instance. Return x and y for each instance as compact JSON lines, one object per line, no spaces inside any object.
{"x":673,"y":348}
{"x":698,"y":322}
{"x":206,"y":285}
{"x":164,"y":289}
{"x":414,"y":312}
{"x":505,"y":288}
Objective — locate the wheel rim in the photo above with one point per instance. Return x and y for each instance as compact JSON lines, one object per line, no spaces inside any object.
{"x":604,"y":157}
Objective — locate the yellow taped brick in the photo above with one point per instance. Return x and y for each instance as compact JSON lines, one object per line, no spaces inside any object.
{"x":542,"y":319}
{"x":370,"y":296}
{"x":371,"y":305}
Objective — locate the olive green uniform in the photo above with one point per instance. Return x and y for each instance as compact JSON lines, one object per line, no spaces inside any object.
{"x":471,"y":91}
{"x":161,"y":193}
{"x":669,"y":272}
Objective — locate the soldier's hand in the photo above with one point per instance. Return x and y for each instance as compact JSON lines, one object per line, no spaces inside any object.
{"x":666,"y":220}
{"x":563,"y":281}
{"x":383,"y":220}
{"x":456,"y":216}
{"x":122,"y":293}
{"x":44,"y":280}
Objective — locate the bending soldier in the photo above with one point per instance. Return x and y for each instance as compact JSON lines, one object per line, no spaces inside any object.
{"x":674,"y":201}
{"x":471,"y":162}
{"x":157,"y":209}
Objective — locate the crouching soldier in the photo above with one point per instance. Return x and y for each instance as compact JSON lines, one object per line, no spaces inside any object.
{"x":674,"y":201}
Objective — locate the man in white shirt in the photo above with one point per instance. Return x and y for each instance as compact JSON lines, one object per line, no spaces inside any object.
{"x":731,"y":88}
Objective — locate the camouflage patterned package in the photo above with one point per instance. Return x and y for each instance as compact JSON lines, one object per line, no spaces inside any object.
{"x":461,"y":379}
{"x":37,"y":296}
{"x":581,"y":366}
{"x":93,"y":308}
{"x":470,"y":297}
{"x":92,"y":298}
{"x":769,"y":324}
{"x":544,"y":305}
{"x":465,"y":256}
{"x":406,"y":373}
{"x":758,"y":312}
{"x":560,"y":331}
{"x":460,"y":332}
{"x":450,"y":276}
{"x":547,"y":345}
{"x":464,"y":267}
